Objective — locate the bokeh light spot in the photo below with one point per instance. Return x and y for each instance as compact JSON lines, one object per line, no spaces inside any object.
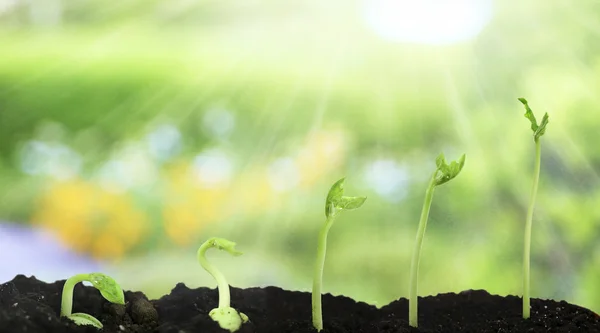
{"x":213,"y":168}
{"x":434,"y":22}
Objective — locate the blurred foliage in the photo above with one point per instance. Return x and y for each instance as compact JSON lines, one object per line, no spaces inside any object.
{"x":136,"y":130}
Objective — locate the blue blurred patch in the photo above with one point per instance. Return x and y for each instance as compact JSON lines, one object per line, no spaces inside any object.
{"x":30,"y":251}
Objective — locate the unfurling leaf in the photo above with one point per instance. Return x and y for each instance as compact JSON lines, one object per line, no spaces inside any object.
{"x":542,"y":128}
{"x":538,"y":129}
{"x":225,"y":245}
{"x":446,"y":172}
{"x":440,"y":162}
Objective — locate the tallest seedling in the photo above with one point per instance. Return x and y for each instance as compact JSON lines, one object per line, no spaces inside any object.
{"x":538,"y":131}
{"x":442,"y":174}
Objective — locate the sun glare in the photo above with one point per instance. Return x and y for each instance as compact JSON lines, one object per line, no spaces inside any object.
{"x":433,"y":22}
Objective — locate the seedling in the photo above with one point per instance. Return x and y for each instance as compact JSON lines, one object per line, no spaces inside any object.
{"x":538,"y":131}
{"x":335,"y":203}
{"x":227,"y":317}
{"x":109,"y":289}
{"x":442,"y":174}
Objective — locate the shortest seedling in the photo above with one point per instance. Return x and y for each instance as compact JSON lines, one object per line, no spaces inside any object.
{"x":228,"y":318}
{"x":108,"y":287}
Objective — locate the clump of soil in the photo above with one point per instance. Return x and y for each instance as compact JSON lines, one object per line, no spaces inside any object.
{"x":32,"y":306}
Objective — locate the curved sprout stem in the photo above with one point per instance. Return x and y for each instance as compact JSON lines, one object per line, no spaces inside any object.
{"x":222,"y":285}
{"x":66,"y":305}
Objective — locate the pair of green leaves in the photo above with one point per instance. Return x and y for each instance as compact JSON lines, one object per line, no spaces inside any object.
{"x":446,"y":172}
{"x":336,"y":201}
{"x":538,"y":130}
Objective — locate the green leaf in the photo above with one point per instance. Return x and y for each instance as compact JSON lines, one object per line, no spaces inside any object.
{"x":538,"y":130}
{"x":334,"y":196}
{"x":542,"y":128}
{"x":85,"y":319}
{"x":440,"y":162}
{"x":446,"y":172}
{"x":337,"y":201}
{"x":348,"y":203}
{"x":108,"y":287}
{"x":225,"y":245}
{"x":529,"y":114}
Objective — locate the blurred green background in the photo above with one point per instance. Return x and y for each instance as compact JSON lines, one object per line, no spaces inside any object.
{"x":134,"y":130}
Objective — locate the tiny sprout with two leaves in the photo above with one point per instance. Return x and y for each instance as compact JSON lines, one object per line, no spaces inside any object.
{"x":335,"y":203}
{"x":442,"y":174}
{"x":538,"y":131}
{"x":108,"y":287}
{"x":228,"y":318}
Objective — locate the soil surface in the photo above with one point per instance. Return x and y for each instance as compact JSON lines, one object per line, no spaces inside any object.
{"x":32,"y":306}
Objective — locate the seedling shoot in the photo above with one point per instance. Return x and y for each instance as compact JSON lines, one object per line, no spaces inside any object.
{"x":109,"y":289}
{"x":442,"y":174}
{"x":335,"y":203}
{"x":538,"y":131}
{"x":228,"y":318}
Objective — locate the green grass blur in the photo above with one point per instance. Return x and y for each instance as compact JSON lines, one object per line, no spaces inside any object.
{"x":136,"y":131}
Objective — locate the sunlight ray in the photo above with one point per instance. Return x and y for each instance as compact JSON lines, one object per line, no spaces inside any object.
{"x":573,"y":151}
{"x":332,"y":70}
{"x":462,"y":120}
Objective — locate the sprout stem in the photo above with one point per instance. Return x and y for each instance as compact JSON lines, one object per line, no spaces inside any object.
{"x":335,"y":203}
{"x":414,"y":266}
{"x":317,"y":312}
{"x":66,"y":305}
{"x":528,"y":224}
{"x":222,"y":285}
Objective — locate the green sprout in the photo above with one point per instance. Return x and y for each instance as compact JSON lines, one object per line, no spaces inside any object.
{"x":538,"y":131}
{"x":442,"y":174}
{"x":108,"y":287}
{"x":227,"y":317}
{"x":335,"y":202}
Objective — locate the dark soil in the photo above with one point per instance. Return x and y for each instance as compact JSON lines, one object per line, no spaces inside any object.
{"x":32,"y":306}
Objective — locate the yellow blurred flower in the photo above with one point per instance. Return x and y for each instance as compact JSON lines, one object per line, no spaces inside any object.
{"x":106,"y":245}
{"x":90,"y":219}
